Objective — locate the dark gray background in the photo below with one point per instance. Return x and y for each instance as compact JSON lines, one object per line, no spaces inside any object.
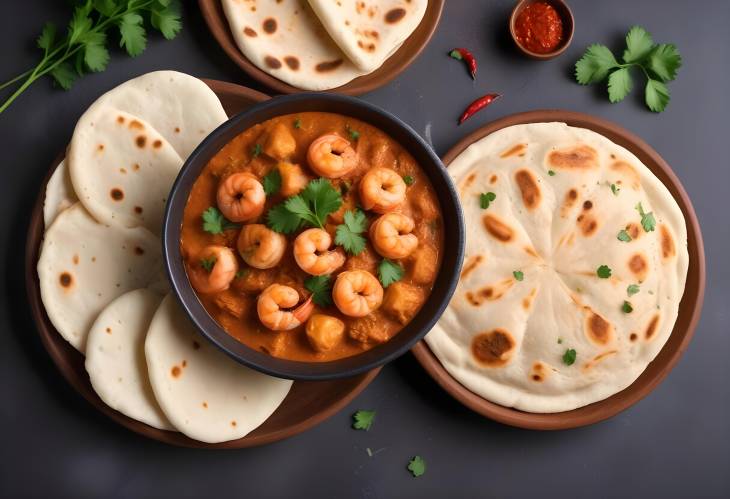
{"x":674,"y":443}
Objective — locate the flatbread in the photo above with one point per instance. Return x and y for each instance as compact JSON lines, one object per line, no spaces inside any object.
{"x":505,"y":338}
{"x":204,"y":393}
{"x":115,"y":357}
{"x":84,"y":265}
{"x":286,"y":40}
{"x":369,"y":32}
{"x":121,"y":168}
{"x":59,"y":194}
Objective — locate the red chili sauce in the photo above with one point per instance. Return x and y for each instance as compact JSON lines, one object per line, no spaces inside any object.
{"x":539,"y":28}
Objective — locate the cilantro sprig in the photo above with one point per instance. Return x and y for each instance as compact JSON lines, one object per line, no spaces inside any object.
{"x":321,"y":288}
{"x":363,"y":420}
{"x":349,"y":234}
{"x":648,"y":222}
{"x":215,"y":223}
{"x":389,"y":272}
{"x":658,"y":62}
{"x":308,"y":208}
{"x":569,"y":357}
{"x":485,"y":199}
{"x":84,"y":46}
{"x":417,"y":466}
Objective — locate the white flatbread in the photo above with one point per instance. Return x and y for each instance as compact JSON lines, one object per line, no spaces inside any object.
{"x":286,"y":40}
{"x":115,"y":357}
{"x":121,"y":168}
{"x":368,"y":32}
{"x":205,"y":394}
{"x":59,"y":194}
{"x":556,"y":219}
{"x":84,"y":265}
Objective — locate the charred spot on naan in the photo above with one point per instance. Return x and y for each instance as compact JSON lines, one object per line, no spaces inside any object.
{"x":492,"y":292}
{"x":667,"y":242}
{"x":133,"y":125}
{"x":471,"y":264}
{"x":539,"y":372}
{"x":639,"y":266}
{"x":515,"y":150}
{"x":598,"y":358}
{"x":580,"y":157}
{"x":269,"y":25}
{"x":66,"y":280}
{"x":627,"y":173}
{"x":497,"y":228}
{"x":587,"y":223}
{"x":326,"y":66}
{"x":141,"y":141}
{"x":249,"y":31}
{"x":493,"y":348}
{"x":116,"y":194}
{"x":493,"y":179}
{"x":651,"y":328}
{"x":395,"y":15}
{"x":292,"y":62}
{"x":272,"y":62}
{"x":570,"y":199}
{"x":529,"y":189}
{"x":527,"y":300}
{"x":634,"y":230}
{"x":597,"y":329}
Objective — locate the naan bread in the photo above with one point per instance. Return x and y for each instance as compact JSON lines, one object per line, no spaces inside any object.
{"x":505,"y":338}
{"x":205,"y":394}
{"x":59,"y":194}
{"x":115,"y":357}
{"x":84,"y":265}
{"x":122,"y":168}
{"x":368,"y":32}
{"x":286,"y":40}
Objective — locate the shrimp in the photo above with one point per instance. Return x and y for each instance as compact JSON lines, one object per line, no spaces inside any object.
{"x":293,"y":179}
{"x":260,"y":247}
{"x":241,"y":197}
{"x":382,"y":190}
{"x":391,"y":235}
{"x":357,"y":293}
{"x":331,"y":156}
{"x":312,"y":255}
{"x":274,"y":299}
{"x":214,"y":270}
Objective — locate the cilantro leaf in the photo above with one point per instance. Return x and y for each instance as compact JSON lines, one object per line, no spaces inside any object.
{"x":632,"y":289}
{"x":408,"y":179}
{"x":615,"y":189}
{"x":298,"y":123}
{"x":569,"y":357}
{"x":320,"y":199}
{"x":47,"y":36}
{"x":96,"y":55}
{"x":417,"y":466}
{"x":656,"y":95}
{"x":648,"y":222}
{"x":664,"y":62}
{"x":321,"y":288}
{"x":623,"y":236}
{"x":80,"y":24}
{"x":551,"y":173}
{"x":133,"y":37}
{"x":604,"y":272}
{"x":354,"y":134}
{"x":485,"y":198}
{"x":64,"y":75}
{"x":638,"y":44}
{"x":279,"y":219}
{"x":626,"y":307}
{"x":363,"y":420}
{"x":619,"y":85}
{"x":349,"y":234}
{"x":594,"y":65}
{"x":256,"y":150}
{"x":519,"y":275}
{"x":242,"y":273}
{"x":389,"y":272}
{"x":272,"y":182}
{"x":167,"y":20}
{"x":208,"y":263}
{"x":215,"y":223}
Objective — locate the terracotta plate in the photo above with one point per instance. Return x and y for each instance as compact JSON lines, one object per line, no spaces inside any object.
{"x":307,"y":404}
{"x":218,"y":24}
{"x":689,"y":308}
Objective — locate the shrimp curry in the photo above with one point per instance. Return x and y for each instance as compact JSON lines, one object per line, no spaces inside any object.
{"x":312,"y":237}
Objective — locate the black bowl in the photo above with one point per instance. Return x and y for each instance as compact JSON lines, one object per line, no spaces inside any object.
{"x":349,"y":106}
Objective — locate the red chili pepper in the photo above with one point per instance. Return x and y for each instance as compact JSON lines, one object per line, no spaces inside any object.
{"x":462,"y":54}
{"x":478,"y":105}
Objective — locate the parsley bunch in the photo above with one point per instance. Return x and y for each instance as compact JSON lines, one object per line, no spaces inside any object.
{"x":84,"y":47}
{"x":658,"y":62}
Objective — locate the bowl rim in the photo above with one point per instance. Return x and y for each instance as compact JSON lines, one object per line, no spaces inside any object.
{"x":566,"y":14}
{"x":376,"y":356}
{"x":669,"y":355}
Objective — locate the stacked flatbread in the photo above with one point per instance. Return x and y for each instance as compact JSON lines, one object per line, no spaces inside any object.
{"x":321,"y":44}
{"x":572,"y":279}
{"x":101,"y":271}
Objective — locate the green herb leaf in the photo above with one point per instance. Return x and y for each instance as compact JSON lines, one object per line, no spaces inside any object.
{"x":619,"y":85}
{"x":656,"y":95}
{"x":297,"y":123}
{"x":64,"y":75}
{"x":615,"y":189}
{"x":80,"y":25}
{"x":349,"y":234}
{"x":519,"y":275}
{"x":363,"y":420}
{"x":256,"y":150}
{"x":242,"y":273}
{"x":569,"y":357}
{"x":632,"y":289}
{"x":594,"y":65}
{"x":664,"y":62}
{"x":604,"y":272}
{"x":354,"y":134}
{"x":408,"y":179}
{"x":133,"y":37}
{"x":417,"y":466}
{"x":167,"y":19}
{"x":455,"y":54}
{"x":322,"y":198}
{"x":272,"y":182}
{"x":551,"y":173}
{"x":648,"y":222}
{"x":389,"y":272}
{"x":208,"y":263}
{"x":215,"y":223}
{"x":623,"y":236}
{"x":47,"y":37}
{"x":96,"y":56}
{"x":627,"y":308}
{"x":321,"y":288}
{"x":485,"y":198}
{"x":105,"y":7}
{"x":279,"y":219}
{"x":638,"y":44}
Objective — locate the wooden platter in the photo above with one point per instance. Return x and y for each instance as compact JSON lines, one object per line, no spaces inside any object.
{"x":307,"y":404}
{"x":689,"y":309}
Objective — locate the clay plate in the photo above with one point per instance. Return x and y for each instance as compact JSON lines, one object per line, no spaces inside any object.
{"x":218,"y":24}
{"x":307,"y":404}
{"x":689,"y":308}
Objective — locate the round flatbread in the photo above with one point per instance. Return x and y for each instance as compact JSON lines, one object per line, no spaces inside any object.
{"x":573,"y":272}
{"x":205,"y":394}
{"x":84,"y":265}
{"x":115,"y":357}
{"x":59,"y":194}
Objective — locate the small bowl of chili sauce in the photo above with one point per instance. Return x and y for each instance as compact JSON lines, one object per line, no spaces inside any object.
{"x":542,"y":29}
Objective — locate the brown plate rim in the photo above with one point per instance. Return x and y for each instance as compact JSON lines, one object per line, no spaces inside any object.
{"x":217,"y":23}
{"x":680,"y":336}
{"x":67,"y":359}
